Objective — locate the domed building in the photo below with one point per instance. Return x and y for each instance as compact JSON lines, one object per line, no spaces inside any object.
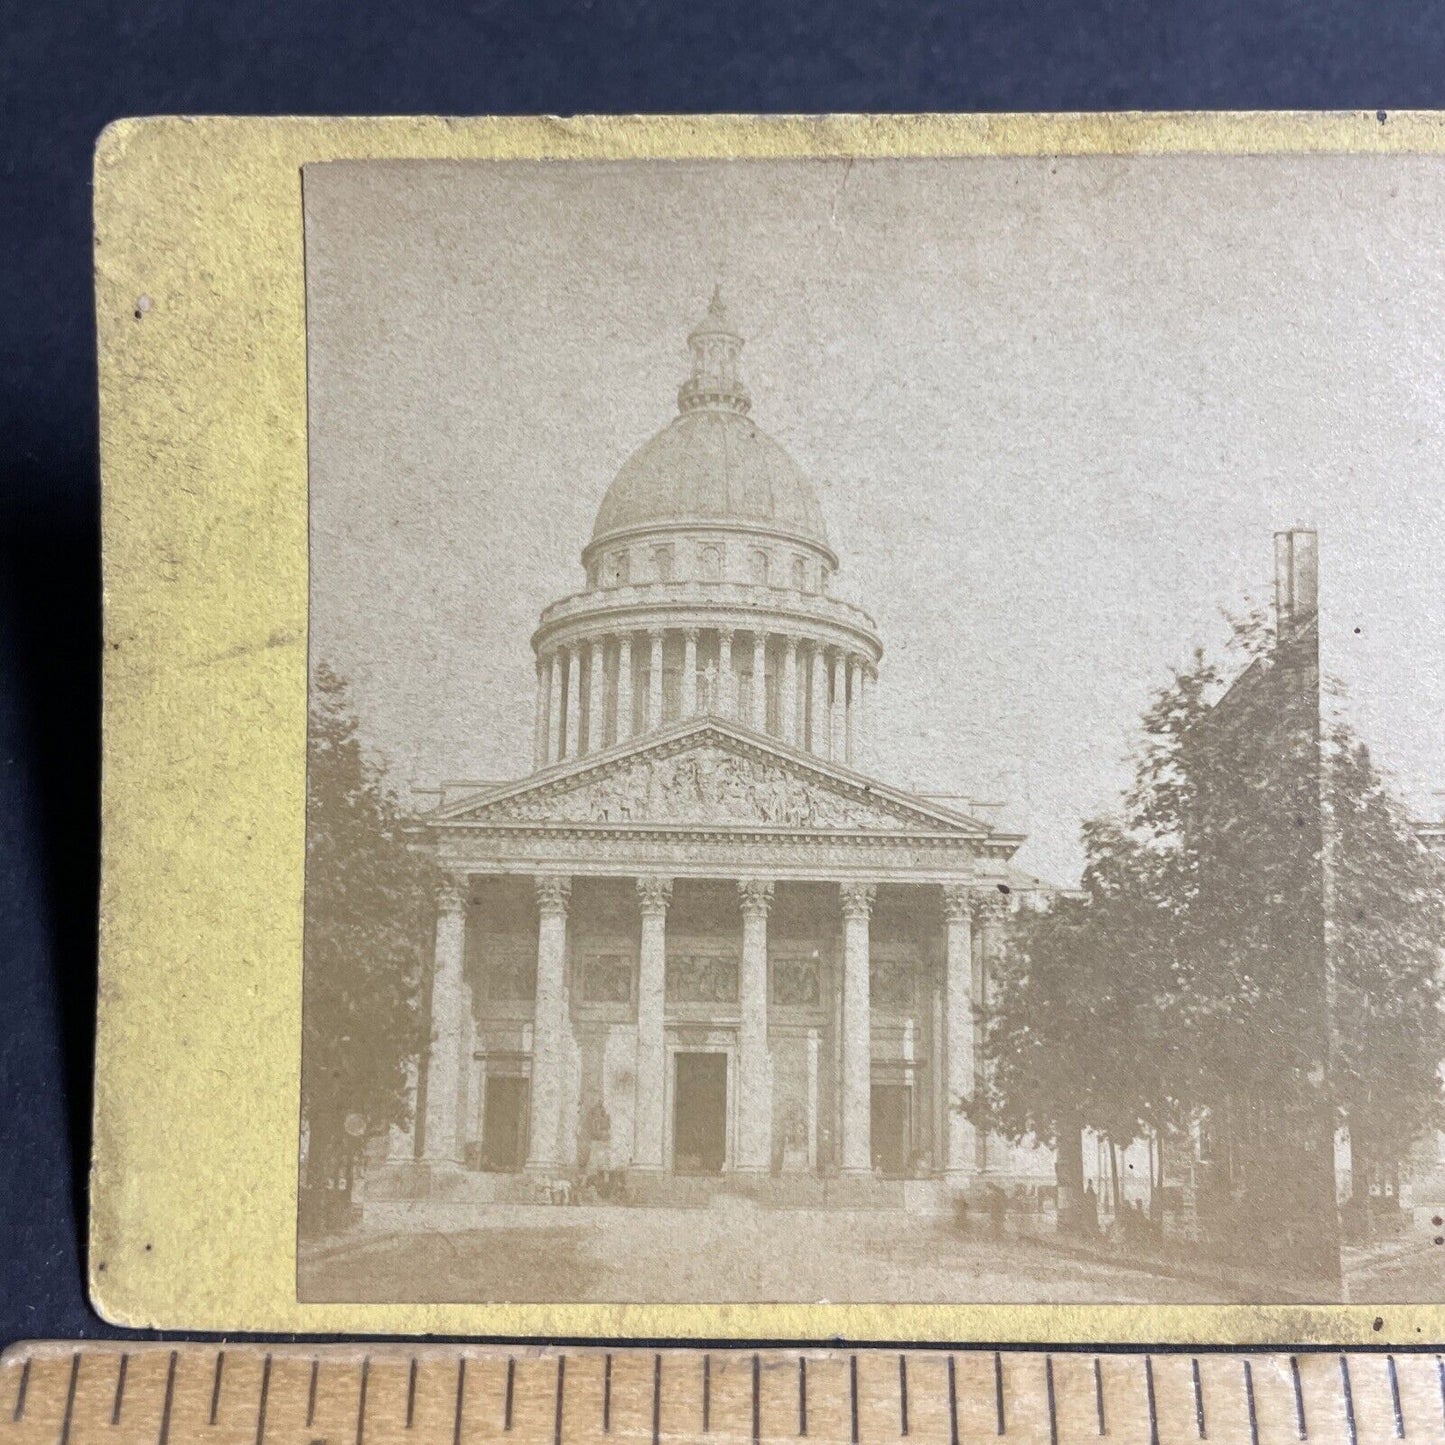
{"x":700,"y":945}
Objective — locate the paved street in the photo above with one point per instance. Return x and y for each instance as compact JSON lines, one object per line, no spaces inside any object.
{"x":734,"y":1251}
{"x":1413,"y":1272}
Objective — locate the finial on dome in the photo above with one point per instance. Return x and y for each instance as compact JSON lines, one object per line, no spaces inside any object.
{"x":715,"y":383}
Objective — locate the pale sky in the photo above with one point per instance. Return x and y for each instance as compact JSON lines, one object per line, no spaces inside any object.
{"x":1053,"y":411}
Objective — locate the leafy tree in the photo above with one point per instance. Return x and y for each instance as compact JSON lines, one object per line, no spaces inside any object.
{"x":1387,"y":931}
{"x":368,"y":914}
{"x":1196,"y":976}
{"x":1071,"y":1039}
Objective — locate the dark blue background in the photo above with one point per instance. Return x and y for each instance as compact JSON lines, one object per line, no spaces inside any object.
{"x":70,"y":66}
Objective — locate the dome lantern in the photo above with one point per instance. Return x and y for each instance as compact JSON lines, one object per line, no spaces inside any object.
{"x":716,"y":381}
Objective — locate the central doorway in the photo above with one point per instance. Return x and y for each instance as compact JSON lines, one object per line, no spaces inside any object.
{"x":892,"y":1123}
{"x":700,"y":1113}
{"x":504,"y":1123}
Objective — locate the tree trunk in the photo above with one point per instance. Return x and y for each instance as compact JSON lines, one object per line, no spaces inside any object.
{"x":1156,"y":1179}
{"x":1118,"y":1202}
{"x":1069,"y":1175}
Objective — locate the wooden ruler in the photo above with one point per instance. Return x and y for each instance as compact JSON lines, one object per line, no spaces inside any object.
{"x":255,"y":1394}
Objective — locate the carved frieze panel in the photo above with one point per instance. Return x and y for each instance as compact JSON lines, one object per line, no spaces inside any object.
{"x":797,"y":982}
{"x":509,"y":971}
{"x":607,"y":978}
{"x":891,"y":983}
{"x":700,"y":977}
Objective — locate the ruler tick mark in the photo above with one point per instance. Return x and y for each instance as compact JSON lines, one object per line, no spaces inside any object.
{"x":511,"y":1387}
{"x":1249,"y":1398}
{"x":411,"y":1393}
{"x":656,"y":1397}
{"x":70,"y":1399}
{"x":1099,"y":1396}
{"x":952,"y":1402}
{"x":1349,"y":1397}
{"x":802,"y":1394}
{"x":902,"y":1394}
{"x":1198,"y":1401}
{"x":311,"y":1393}
{"x":360,"y":1400}
{"x":23,"y":1387}
{"x":557,"y":1413}
{"x":998,"y":1392}
{"x":757,"y":1401}
{"x":261,"y":1406}
{"x":706,"y":1393}
{"x":1053,"y":1407}
{"x":119,"y":1388}
{"x":1299,"y":1399}
{"x":166,"y":1406}
{"x":461,"y":1393}
{"x":1153,"y":1406}
{"x":607,"y":1394}
{"x":216,"y":1384}
{"x":1395,"y":1399}
{"x":853,"y":1396}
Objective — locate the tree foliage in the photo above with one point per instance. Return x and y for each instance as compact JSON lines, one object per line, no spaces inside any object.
{"x":368,"y":916}
{"x":1197,"y":975}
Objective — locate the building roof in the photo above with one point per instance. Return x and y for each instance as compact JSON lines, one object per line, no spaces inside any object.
{"x":712,"y":466}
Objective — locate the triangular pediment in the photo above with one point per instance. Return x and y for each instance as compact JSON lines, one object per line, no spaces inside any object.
{"x":710,"y":773}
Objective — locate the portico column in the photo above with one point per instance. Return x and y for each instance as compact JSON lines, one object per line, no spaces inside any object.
{"x":539,"y":723}
{"x":760,"y":682}
{"x":788,"y":711}
{"x":959,"y":1147}
{"x":574,"y":700}
{"x":448,"y":1025}
{"x":818,"y":731}
{"x":556,"y":728}
{"x":624,"y":688}
{"x":990,"y":910}
{"x":689,"y":672}
{"x":857,"y":1040}
{"x":755,"y":1065}
{"x":839,"y":742}
{"x":650,"y":1074}
{"x":549,"y":1019}
{"x":597,"y":699}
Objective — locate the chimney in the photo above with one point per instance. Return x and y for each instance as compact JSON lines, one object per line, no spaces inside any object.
{"x":1296,"y":579}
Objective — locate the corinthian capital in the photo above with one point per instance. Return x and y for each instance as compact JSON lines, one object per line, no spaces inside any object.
{"x":990,"y":906}
{"x":451,"y":894}
{"x":858,"y":900}
{"x":756,"y":896}
{"x":553,"y":891}
{"x":653,"y":896}
{"x":957,"y":903}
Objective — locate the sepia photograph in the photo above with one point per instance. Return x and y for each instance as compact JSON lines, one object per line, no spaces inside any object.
{"x":874,"y":731}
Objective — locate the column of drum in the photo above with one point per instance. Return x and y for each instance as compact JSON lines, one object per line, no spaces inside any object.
{"x":822,"y":694}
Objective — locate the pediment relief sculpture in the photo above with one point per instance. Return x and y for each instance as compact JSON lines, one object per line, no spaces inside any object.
{"x":708,"y":785}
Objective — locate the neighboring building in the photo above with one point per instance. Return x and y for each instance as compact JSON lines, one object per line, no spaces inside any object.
{"x":701,"y":936}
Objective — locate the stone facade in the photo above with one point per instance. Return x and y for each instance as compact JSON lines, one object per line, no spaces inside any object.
{"x":700,"y":938}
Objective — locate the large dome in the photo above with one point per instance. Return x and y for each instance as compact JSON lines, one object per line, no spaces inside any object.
{"x":712,"y":466}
